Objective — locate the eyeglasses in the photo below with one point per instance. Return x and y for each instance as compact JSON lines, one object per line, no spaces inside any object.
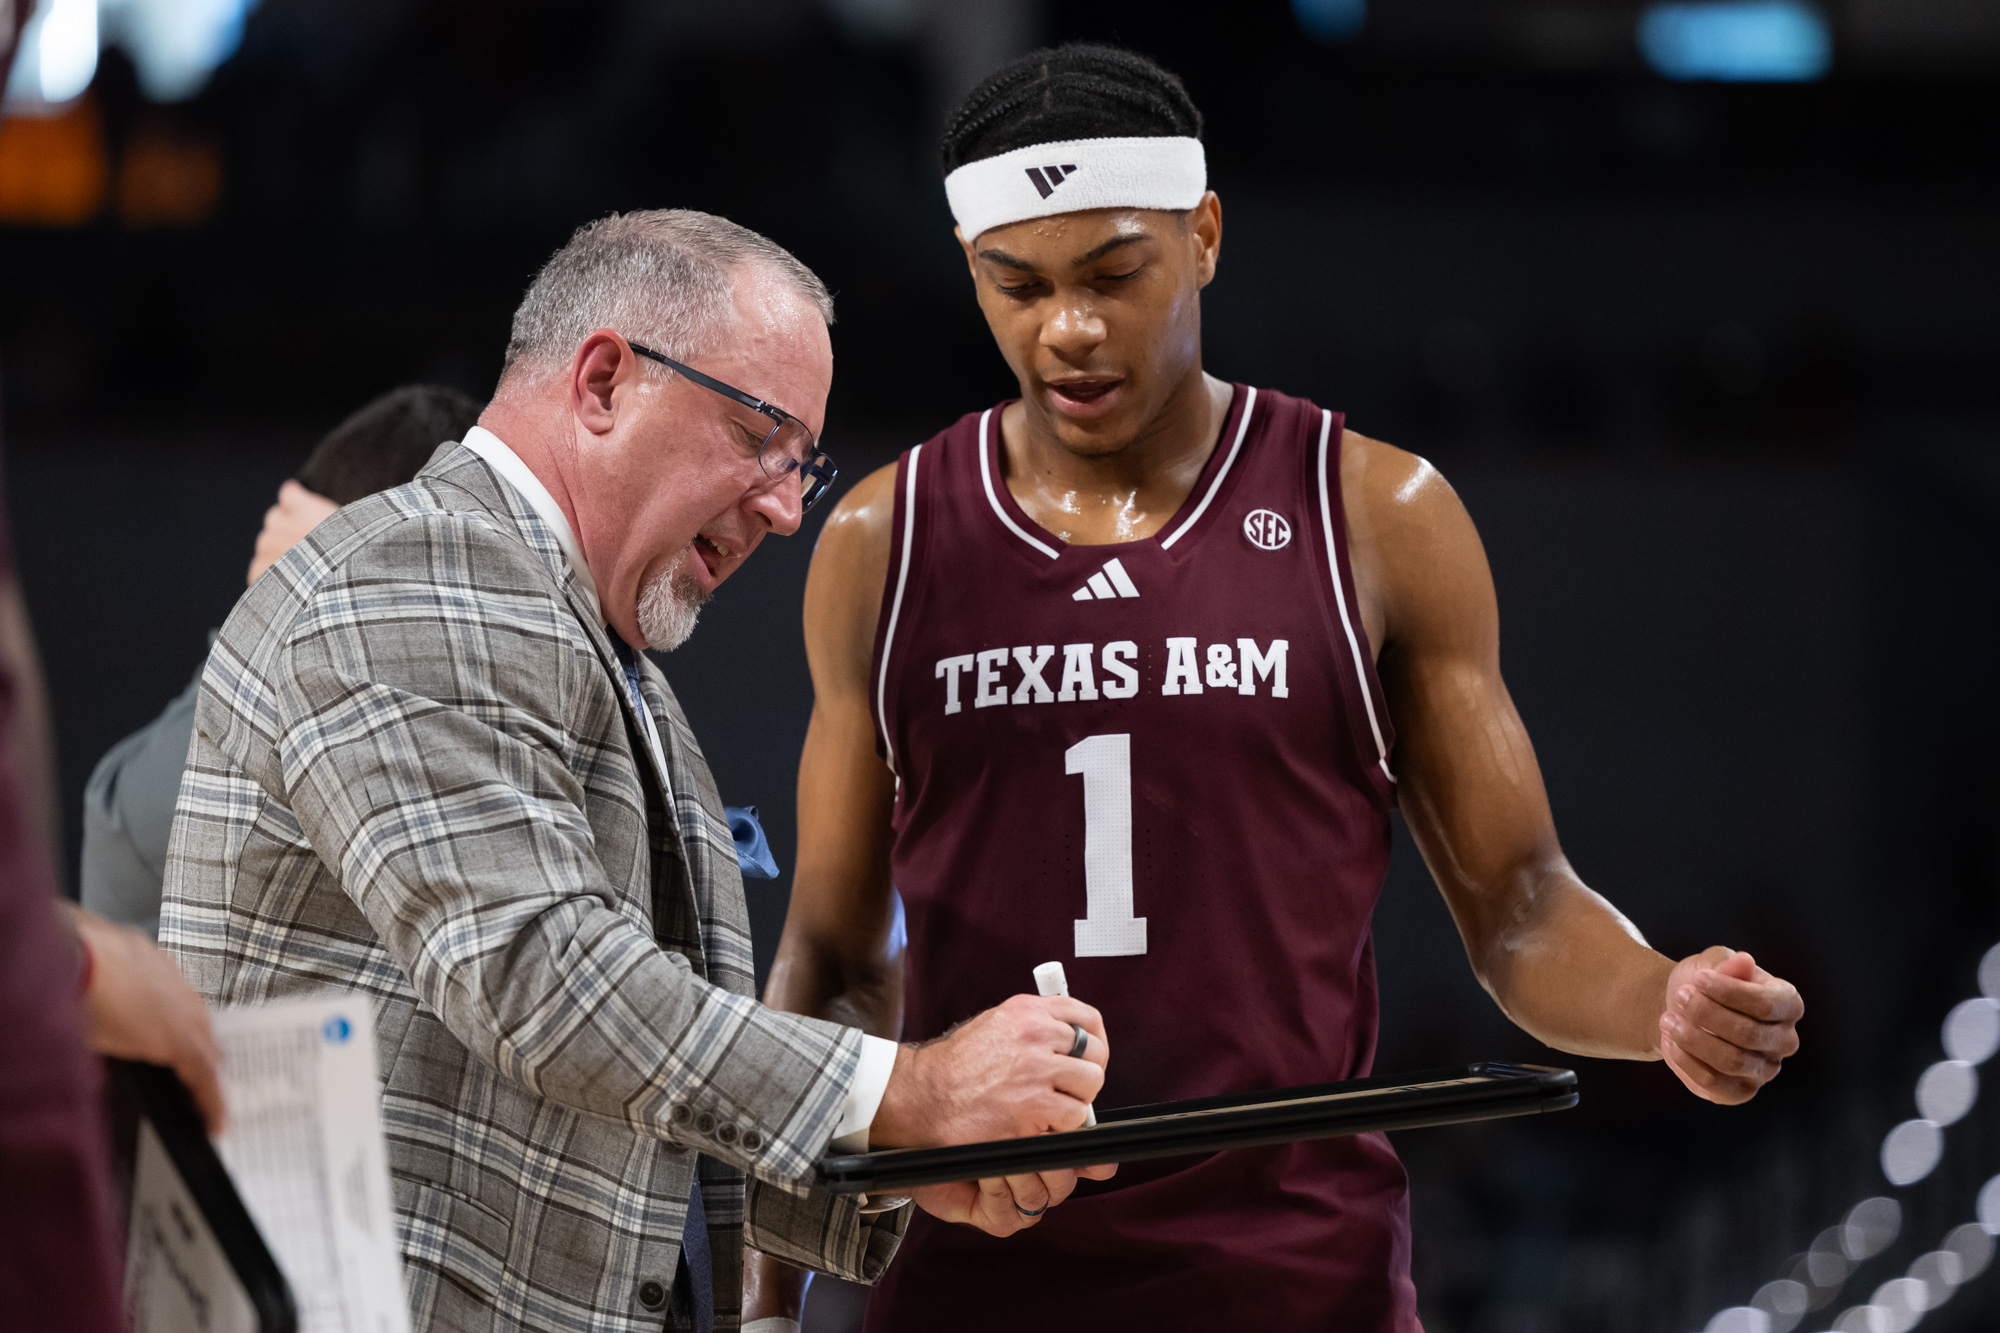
{"x":788,"y":451}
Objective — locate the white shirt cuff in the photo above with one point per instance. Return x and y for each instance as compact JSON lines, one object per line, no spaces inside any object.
{"x":864,"y":1098}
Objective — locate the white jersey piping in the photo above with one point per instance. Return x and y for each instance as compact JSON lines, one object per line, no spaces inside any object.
{"x":1242,"y":428}
{"x":993,"y":498}
{"x":896,"y":606}
{"x":1340,"y":597}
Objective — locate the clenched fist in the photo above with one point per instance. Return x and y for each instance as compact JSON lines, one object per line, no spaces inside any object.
{"x":1727,"y":1025}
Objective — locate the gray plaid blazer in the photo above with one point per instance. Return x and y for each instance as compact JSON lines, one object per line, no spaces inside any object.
{"x":416,"y":773}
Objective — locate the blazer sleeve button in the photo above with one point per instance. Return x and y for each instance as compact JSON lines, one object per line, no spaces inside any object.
{"x":752,"y":1141}
{"x":704,"y":1123}
{"x":726,"y":1132}
{"x":679,"y":1114}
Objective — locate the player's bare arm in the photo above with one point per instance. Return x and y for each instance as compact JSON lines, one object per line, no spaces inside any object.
{"x":837,"y":957}
{"x":1559,"y":959}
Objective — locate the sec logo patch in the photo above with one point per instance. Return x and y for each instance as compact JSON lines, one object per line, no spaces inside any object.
{"x":1266,"y":530}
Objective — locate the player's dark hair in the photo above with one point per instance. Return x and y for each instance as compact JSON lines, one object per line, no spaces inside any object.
{"x":1080,"y":91}
{"x":385,"y":443}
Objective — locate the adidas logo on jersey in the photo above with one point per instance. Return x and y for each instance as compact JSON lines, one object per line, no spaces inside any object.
{"x":1107,"y":583}
{"x":1046,"y":179}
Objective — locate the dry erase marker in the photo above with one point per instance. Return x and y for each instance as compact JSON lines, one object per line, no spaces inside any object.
{"x":1049,"y":980}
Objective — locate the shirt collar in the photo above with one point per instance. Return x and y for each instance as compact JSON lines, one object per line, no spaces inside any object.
{"x":515,"y":473}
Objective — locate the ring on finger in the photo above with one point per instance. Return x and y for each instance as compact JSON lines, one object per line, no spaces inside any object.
{"x":1031,"y":1212}
{"x":1081,"y":1044}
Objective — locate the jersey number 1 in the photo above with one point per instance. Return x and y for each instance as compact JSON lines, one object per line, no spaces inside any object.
{"x":1109,"y":929}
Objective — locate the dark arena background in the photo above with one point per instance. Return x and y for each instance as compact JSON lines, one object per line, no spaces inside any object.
{"x":1697,"y":305}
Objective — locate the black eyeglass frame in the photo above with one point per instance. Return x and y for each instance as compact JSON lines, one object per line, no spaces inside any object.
{"x":818,"y":468}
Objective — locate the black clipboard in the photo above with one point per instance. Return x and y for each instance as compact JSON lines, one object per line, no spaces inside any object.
{"x":207,"y":1270}
{"x":1485,"y":1091}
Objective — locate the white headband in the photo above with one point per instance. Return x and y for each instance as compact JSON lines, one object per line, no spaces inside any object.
{"x":1068,"y":177}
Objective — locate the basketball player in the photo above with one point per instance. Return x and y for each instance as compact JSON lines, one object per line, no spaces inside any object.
{"x":1128,"y":672}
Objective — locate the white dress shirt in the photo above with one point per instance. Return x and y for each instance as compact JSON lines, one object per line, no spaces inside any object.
{"x":878,"y":1057}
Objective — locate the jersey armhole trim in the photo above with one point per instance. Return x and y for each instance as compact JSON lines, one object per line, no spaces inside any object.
{"x":1242,"y":429}
{"x":986,"y":476}
{"x":1340,"y":595}
{"x":896,"y":606}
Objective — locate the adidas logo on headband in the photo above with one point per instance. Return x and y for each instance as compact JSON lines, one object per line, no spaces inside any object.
{"x":1047,"y":178}
{"x":1131,"y":172}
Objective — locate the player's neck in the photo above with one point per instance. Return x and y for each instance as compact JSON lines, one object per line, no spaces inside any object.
{"x":1126,"y":495}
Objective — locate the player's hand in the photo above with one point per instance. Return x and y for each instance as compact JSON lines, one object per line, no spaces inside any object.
{"x":140,"y":1007}
{"x":1009,"y":1204}
{"x":1727,"y":1025}
{"x":1000,"y":1075}
{"x":286,"y":523}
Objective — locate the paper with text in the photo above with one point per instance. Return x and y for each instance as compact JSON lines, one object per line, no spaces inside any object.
{"x":305,"y":1147}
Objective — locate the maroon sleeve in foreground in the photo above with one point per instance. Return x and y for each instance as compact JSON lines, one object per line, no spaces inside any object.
{"x":58,"y":1240}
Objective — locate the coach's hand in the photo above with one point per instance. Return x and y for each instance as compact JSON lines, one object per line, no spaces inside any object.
{"x":1727,"y":1025}
{"x":1001,"y":1075}
{"x":1005,"y":1073}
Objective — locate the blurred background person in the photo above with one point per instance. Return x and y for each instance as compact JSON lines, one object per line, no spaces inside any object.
{"x":128,"y":805}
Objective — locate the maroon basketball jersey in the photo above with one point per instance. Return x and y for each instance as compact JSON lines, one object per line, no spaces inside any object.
{"x":1166,"y":764}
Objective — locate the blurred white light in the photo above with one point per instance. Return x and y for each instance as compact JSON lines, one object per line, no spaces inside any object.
{"x":1972,"y":1031}
{"x":63,"y":38}
{"x":1904,"y":1299}
{"x":1862,"y":1319}
{"x":1330,"y":20}
{"x":1989,"y":974}
{"x":1940,"y":1271}
{"x":1785,"y":1301}
{"x":1826,"y":1262}
{"x":1756,"y":41}
{"x":1974,"y":1248}
{"x":1988,"y":1208}
{"x":175,"y":44}
{"x":1911,"y":1151}
{"x":1740,"y":1319}
{"x":1869,"y":1228}
{"x":1947,"y":1091}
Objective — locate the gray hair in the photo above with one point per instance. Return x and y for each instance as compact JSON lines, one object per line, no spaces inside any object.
{"x":663,"y":277}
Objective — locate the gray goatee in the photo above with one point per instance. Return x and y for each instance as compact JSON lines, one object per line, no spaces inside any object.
{"x":668,"y":607}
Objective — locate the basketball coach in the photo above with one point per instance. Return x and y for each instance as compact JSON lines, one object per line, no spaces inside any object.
{"x":430,"y":763}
